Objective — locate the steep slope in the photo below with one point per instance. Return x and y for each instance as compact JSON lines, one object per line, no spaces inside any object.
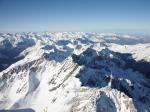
{"x":74,"y":72}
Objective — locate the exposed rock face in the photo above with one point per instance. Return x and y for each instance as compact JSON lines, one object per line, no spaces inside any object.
{"x":72,"y":72}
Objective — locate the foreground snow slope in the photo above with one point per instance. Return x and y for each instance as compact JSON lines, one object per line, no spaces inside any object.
{"x":74,"y":72}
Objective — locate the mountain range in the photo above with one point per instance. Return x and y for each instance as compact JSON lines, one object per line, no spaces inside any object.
{"x":74,"y":72}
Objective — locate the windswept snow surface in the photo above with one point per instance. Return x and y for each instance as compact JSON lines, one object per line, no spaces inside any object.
{"x":74,"y":72}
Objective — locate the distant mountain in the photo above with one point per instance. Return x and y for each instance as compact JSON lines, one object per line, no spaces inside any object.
{"x":74,"y":72}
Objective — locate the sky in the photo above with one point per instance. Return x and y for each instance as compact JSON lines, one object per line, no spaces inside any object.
{"x":75,"y":15}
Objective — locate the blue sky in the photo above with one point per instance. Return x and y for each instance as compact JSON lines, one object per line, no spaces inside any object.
{"x":74,"y":15}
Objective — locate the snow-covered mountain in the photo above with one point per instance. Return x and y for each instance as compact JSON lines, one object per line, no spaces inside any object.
{"x":74,"y":72}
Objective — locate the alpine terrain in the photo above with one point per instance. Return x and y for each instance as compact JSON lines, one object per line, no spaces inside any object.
{"x":74,"y":72}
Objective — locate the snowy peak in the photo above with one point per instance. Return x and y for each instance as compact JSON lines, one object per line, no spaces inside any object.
{"x":105,"y":71}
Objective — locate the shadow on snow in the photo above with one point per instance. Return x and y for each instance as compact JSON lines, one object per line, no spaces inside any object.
{"x":98,"y":68}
